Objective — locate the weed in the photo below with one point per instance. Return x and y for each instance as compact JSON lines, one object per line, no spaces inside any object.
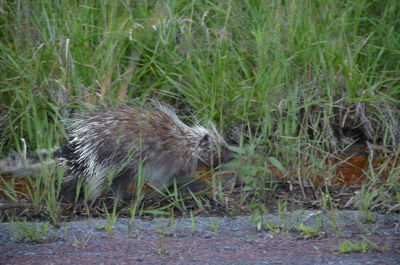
{"x":8,"y":189}
{"x":272,"y":227}
{"x":199,"y":204}
{"x":334,"y":221}
{"x":258,"y":217}
{"x":362,"y":246}
{"x":111,"y":219}
{"x":282,"y":209}
{"x":172,"y":223}
{"x":214,"y":224}
{"x":257,"y":214}
{"x":193,"y":226}
{"x":82,"y":242}
{"x":35,"y":233}
{"x":52,"y":205}
{"x":365,"y":200}
{"x":310,"y":231}
{"x":138,"y":199}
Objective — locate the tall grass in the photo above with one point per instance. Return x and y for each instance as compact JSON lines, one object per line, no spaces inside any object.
{"x":249,"y":64}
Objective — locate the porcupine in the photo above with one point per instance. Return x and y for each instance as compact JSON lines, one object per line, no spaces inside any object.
{"x":118,"y":143}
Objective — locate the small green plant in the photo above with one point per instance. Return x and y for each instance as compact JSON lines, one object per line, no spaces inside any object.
{"x":365,"y":200}
{"x":310,"y":231}
{"x":23,"y":231}
{"x":326,"y":200}
{"x":174,"y":197}
{"x":82,"y":242}
{"x":282,"y":209}
{"x":138,"y":199}
{"x":198,"y":201}
{"x":111,"y":219}
{"x":193,"y":226}
{"x":133,"y":232}
{"x":161,"y":227}
{"x":314,"y":231}
{"x":334,"y":221}
{"x":7,"y":187}
{"x":272,"y":227}
{"x":252,"y":169}
{"x":363,"y":246}
{"x":258,"y":212}
{"x":52,"y":205}
{"x":36,"y":194}
{"x":258,"y":217}
{"x":166,"y":229}
{"x":214,"y":224}
{"x":172,"y":223}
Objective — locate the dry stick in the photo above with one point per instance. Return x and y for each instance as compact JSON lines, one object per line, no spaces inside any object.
{"x":21,"y":166}
{"x":8,"y":205}
{"x":24,"y":170}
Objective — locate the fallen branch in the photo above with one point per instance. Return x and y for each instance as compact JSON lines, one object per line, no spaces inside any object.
{"x":8,"y":205}
{"x":22,"y":165}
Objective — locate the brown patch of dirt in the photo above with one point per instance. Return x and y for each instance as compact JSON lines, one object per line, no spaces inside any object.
{"x":348,"y":171}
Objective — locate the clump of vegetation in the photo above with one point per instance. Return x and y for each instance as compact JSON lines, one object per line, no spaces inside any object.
{"x":33,"y":233}
{"x":310,"y":231}
{"x":361,"y":246}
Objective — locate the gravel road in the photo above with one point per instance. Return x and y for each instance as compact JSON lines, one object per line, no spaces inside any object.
{"x":209,"y":240}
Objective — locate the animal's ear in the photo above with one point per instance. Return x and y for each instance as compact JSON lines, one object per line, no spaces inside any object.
{"x":204,"y":141}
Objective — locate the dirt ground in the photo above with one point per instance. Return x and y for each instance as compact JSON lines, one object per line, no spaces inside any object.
{"x":210,"y":240}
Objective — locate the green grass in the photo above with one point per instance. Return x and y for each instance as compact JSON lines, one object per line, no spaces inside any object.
{"x":23,"y":231}
{"x":360,"y":246}
{"x":308,"y":232}
{"x":260,"y":67}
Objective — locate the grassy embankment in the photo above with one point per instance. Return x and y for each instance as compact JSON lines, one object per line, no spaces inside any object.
{"x":298,"y":81}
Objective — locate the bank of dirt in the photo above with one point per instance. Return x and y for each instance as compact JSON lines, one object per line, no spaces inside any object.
{"x":211,"y":240}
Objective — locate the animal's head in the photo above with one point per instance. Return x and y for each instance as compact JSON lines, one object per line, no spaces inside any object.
{"x":213,"y":149}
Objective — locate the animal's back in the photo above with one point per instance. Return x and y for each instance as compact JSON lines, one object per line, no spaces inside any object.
{"x":112,"y":145}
